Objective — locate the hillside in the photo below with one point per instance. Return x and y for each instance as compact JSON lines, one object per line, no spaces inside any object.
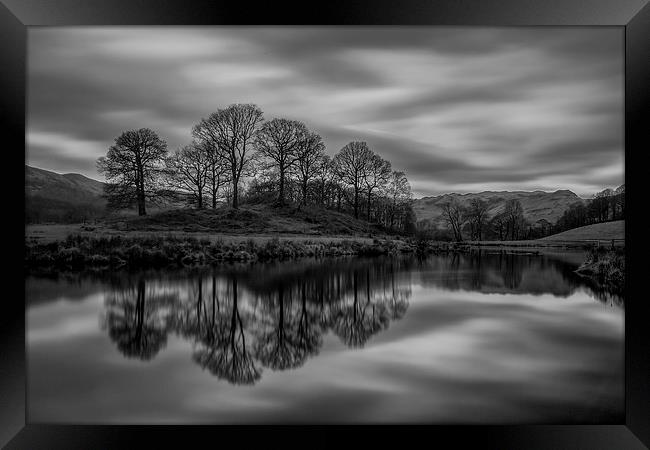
{"x":261,"y":219}
{"x":73,"y":186}
{"x":53,"y":197}
{"x":537,"y":205}
{"x":599,"y":231}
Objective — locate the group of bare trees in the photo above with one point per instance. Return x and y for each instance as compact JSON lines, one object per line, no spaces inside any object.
{"x":472,"y":220}
{"x":510,"y":223}
{"x":356,"y":180}
{"x":282,"y":160}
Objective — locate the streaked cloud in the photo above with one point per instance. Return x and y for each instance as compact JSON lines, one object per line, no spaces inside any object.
{"x":458,"y":109}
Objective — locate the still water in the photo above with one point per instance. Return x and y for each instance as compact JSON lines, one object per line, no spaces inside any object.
{"x":464,"y":338}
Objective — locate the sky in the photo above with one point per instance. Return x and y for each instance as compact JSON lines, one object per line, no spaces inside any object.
{"x":457,"y":109}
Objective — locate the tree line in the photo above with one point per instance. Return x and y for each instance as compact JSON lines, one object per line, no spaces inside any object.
{"x":471,"y":220}
{"x":605,"y":206}
{"x":236,"y":155}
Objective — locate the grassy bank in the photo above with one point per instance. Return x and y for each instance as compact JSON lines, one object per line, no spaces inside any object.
{"x":425,"y":246}
{"x":79,"y":251}
{"x":606,"y":267}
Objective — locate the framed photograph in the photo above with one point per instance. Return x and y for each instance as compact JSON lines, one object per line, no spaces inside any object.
{"x":424,"y":215}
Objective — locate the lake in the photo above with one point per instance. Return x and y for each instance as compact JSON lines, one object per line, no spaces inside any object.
{"x":480,"y":337}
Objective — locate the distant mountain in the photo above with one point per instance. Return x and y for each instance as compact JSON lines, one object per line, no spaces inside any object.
{"x":53,"y":197}
{"x":537,"y":205}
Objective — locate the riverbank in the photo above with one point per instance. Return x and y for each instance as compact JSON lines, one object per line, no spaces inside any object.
{"x":605,"y":267}
{"x":79,"y":251}
{"x":525,"y":246}
{"x":79,"y":247}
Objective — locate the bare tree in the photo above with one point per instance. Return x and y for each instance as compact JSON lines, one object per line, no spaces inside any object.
{"x":231,"y":132}
{"x":218,"y":172}
{"x":351,"y":166}
{"x":132,"y":166}
{"x":453,"y":212}
{"x":324,"y":178}
{"x":279,"y":140}
{"x":399,"y":195}
{"x":310,"y":156}
{"x":498,"y":225}
{"x":514,"y":217}
{"x":477,"y":216}
{"x":377,"y":175}
{"x":188,"y":170}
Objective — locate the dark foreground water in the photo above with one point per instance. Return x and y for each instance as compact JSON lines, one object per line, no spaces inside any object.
{"x":473,"y":338}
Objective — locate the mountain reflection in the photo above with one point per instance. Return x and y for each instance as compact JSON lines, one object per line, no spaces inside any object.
{"x":243,"y":319}
{"x":502,"y":272}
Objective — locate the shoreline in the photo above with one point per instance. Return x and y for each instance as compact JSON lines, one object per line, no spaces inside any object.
{"x":110,"y":252}
{"x":92,"y":247}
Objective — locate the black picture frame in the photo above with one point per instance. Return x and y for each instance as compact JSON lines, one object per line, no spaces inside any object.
{"x":633,"y":15}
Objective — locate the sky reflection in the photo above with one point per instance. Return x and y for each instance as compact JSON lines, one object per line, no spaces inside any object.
{"x":352,"y":341}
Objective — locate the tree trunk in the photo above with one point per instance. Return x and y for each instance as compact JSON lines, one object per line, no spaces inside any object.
{"x":281,"y":194}
{"x":304,"y":192}
{"x":141,"y":208}
{"x":322,"y":195}
{"x":214,"y":188}
{"x":235,"y":199}
{"x":140,"y":309}
{"x":356,"y":203}
{"x":369,"y":206}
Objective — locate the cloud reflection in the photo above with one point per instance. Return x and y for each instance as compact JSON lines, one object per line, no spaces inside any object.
{"x":475,"y":354}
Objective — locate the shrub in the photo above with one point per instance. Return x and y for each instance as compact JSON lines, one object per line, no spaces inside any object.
{"x":71,"y":256}
{"x":99,"y":260}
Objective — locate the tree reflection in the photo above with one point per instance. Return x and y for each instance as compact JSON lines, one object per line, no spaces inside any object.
{"x":310,"y":332}
{"x":222,"y":342}
{"x":398,"y":299}
{"x":355,"y":323}
{"x":511,"y":270}
{"x":133,"y":322}
{"x":500,"y":271}
{"x":285,"y":337}
{"x":241,"y":320}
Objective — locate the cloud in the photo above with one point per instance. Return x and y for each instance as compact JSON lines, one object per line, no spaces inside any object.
{"x":457,"y":109}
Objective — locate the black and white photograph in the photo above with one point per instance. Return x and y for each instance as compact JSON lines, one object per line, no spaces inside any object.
{"x":325,"y":225}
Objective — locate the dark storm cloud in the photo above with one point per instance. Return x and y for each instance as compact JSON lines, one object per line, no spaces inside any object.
{"x":458,"y":109}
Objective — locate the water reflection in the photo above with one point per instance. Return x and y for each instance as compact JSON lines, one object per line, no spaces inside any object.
{"x":243,"y":319}
{"x":134,"y":322}
{"x":503,"y":272}
{"x":472,"y":337}
{"x":220,"y":337}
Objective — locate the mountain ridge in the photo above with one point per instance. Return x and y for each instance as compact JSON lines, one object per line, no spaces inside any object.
{"x":69,"y":197}
{"x":55,"y":197}
{"x":538,"y":205}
